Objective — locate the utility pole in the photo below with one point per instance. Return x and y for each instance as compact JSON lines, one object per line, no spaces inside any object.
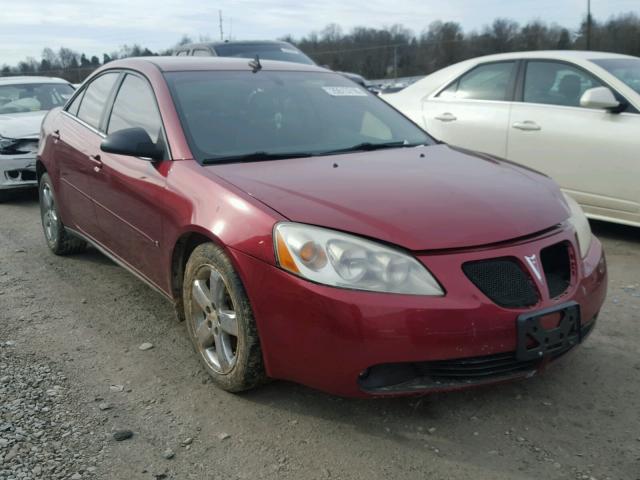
{"x":395,"y":61}
{"x":220,"y":21}
{"x":588,"y":24}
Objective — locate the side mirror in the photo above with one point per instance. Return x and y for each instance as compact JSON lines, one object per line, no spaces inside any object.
{"x":134,"y":142}
{"x":599,"y":97}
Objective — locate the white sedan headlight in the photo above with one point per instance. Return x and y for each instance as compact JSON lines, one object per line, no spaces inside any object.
{"x":7,"y":144}
{"x":581,"y":224}
{"x":342,"y":260}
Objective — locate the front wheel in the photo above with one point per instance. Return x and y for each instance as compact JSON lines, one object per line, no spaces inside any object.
{"x":220,"y":321}
{"x":58,"y":239}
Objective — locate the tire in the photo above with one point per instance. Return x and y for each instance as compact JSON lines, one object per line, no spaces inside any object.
{"x":58,"y":239}
{"x":220,"y":321}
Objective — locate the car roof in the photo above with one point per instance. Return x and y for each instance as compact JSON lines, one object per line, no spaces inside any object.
{"x":234,"y":42}
{"x":554,"y":54}
{"x":30,"y":79}
{"x":180,"y":64}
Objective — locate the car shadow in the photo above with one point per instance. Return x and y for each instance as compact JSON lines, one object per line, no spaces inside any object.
{"x":23,"y":196}
{"x":615,"y":231}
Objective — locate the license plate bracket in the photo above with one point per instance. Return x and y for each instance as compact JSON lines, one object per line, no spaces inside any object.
{"x":537,"y":341}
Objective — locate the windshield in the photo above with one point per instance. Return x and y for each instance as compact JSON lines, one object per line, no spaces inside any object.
{"x":626,"y":69}
{"x":33,"y":97}
{"x":266,"y":51}
{"x":233,"y":114}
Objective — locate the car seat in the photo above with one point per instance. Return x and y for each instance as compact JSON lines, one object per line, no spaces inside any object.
{"x":570,"y":88}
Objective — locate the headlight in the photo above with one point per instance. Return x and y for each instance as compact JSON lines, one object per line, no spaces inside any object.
{"x":581,"y":224}
{"x":7,"y":145}
{"x":342,"y":260}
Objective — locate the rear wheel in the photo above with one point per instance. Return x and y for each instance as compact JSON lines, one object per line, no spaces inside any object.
{"x":220,"y":321}
{"x":58,"y":239}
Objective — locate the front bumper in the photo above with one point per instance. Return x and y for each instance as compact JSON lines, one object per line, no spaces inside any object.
{"x":17,"y":171}
{"x":330,"y":338}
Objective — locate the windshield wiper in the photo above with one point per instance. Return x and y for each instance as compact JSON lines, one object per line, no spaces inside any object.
{"x":254,"y":157}
{"x":369,"y":146}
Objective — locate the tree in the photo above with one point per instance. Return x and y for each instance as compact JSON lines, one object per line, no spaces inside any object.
{"x":68,"y":58}
{"x":105,"y":58}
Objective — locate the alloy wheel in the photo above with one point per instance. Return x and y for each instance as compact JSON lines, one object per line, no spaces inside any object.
{"x":214,"y":320}
{"x":49,"y":214}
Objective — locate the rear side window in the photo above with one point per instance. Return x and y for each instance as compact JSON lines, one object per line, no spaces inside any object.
{"x":182,"y":53}
{"x":485,"y":82}
{"x":555,"y":83}
{"x":75,"y":105}
{"x":135,"y":106}
{"x":201,"y":52}
{"x":95,"y":99}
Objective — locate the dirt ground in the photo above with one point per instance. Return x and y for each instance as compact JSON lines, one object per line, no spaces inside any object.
{"x":83,"y":318}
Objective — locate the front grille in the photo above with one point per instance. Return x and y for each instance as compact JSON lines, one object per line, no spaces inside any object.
{"x":445,"y":373}
{"x":504,"y":281}
{"x":556,"y":262}
{"x":470,"y":369}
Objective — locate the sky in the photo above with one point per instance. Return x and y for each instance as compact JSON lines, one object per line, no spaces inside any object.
{"x":97,"y":26}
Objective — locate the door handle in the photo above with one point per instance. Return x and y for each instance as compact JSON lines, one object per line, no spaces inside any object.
{"x":446,"y":117}
{"x":56,"y":135}
{"x":97,"y":162}
{"x":527,"y":126}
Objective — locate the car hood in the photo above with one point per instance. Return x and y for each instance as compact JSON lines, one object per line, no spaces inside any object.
{"x":21,"y":125}
{"x":420,"y":198}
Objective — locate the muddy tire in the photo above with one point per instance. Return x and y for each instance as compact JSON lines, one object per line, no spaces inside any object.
{"x":220,"y":321}
{"x":58,"y":239}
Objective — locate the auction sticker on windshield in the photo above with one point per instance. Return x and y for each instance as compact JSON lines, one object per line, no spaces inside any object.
{"x":345,"y":91}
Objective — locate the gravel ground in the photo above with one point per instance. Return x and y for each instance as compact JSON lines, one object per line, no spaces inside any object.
{"x":73,"y":377}
{"x":43,"y":433}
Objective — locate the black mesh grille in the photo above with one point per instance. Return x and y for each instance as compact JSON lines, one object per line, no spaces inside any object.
{"x":466,"y":369}
{"x":556,"y":263}
{"x":504,"y":281}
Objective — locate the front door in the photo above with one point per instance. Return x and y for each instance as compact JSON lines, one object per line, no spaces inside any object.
{"x":592,"y":154}
{"x":128,"y":191}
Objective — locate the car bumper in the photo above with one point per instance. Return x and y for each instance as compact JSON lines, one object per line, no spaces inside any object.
{"x":17,"y":171}
{"x":333,"y":339}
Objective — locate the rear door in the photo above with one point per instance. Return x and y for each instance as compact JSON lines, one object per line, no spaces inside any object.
{"x":473,"y":111}
{"x":591,"y":153}
{"x":76,"y":141}
{"x":128,"y":191}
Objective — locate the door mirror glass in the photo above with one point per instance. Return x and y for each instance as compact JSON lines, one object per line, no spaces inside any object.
{"x":599,"y":97}
{"x":134,"y":142}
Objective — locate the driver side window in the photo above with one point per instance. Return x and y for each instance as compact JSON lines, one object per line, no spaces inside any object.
{"x":135,"y":106}
{"x":556,"y":83}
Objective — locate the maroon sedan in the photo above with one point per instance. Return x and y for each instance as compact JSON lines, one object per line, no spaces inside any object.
{"x":307,"y":231}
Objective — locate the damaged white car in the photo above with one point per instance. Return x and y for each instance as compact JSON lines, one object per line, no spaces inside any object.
{"x":24,"y":101}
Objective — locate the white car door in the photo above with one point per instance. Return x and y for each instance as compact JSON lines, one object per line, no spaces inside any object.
{"x":473,"y":111}
{"x":591,"y":153}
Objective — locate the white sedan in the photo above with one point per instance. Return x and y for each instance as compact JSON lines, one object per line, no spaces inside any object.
{"x":24,"y":101}
{"x":573,"y":115}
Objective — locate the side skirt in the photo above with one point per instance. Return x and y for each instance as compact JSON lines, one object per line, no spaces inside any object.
{"x":122,"y":264}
